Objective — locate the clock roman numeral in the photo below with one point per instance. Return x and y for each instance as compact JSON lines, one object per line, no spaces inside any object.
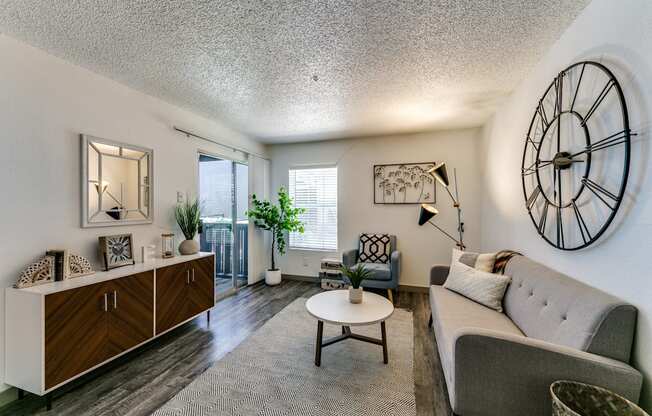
{"x":560,"y":229}
{"x":542,"y":115}
{"x":533,"y":198}
{"x":559,"y":85}
{"x":600,"y":192}
{"x":584,"y":230}
{"x":609,"y":141}
{"x":534,"y":144}
{"x":544,"y":218}
{"x":577,"y":88}
{"x":598,"y":101}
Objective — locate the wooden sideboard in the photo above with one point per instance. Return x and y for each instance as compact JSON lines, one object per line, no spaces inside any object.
{"x":59,"y":331}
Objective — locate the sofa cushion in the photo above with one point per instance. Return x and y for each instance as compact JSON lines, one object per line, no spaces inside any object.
{"x":452,"y":312}
{"x":485,"y":288}
{"x":552,"y":307}
{"x":379,"y":271}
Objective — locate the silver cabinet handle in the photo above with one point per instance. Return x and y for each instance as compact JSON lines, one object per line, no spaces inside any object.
{"x":187,"y":277}
{"x":106,"y":302}
{"x":193,"y":274}
{"x":115,"y":299}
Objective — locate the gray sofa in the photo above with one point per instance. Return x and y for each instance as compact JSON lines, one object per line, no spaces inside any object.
{"x":384,"y":276}
{"x":553,"y":328}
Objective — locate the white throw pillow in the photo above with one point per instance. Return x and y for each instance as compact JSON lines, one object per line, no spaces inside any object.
{"x":487,"y":289}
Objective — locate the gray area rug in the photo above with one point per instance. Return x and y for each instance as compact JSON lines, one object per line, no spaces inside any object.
{"x":273,"y":373}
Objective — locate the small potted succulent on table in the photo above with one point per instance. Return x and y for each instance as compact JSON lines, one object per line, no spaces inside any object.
{"x":355,"y":275}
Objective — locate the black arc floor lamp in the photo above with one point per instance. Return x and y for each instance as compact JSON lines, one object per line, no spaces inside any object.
{"x":427,"y":212}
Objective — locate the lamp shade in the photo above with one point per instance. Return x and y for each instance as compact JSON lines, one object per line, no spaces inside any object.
{"x":427,"y":212}
{"x":440,"y":173}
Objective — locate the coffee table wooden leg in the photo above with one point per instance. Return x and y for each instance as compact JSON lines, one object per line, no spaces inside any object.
{"x":320,"y":335}
{"x":383,"y":332}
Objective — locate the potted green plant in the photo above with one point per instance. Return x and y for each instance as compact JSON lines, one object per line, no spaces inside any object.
{"x":277,"y":219}
{"x":187,"y":216}
{"x":355,"y":275}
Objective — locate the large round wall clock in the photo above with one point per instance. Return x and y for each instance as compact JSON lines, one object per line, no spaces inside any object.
{"x":576,"y":156}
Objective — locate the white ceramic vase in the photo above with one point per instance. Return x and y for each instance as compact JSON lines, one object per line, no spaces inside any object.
{"x":273,"y":277}
{"x":189,"y":247}
{"x":355,"y":295}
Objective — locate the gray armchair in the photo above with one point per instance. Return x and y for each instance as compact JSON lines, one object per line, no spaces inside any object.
{"x":385,"y":276}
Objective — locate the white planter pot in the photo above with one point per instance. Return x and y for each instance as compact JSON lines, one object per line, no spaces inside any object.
{"x":355,"y":295}
{"x":188,"y":247}
{"x":273,"y":277}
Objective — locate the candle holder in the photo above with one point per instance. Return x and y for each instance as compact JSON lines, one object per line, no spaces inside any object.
{"x":167,"y":245}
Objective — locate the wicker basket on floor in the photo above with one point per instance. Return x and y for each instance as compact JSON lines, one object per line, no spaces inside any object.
{"x":570,"y":398}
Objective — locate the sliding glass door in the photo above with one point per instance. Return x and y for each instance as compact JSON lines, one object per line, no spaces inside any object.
{"x":223,"y":190}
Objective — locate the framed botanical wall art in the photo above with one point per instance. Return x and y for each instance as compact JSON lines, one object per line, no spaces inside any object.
{"x":404,"y":183}
{"x":116,"y":250}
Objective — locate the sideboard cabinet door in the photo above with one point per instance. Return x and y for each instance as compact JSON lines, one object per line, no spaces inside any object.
{"x":201,"y":295}
{"x":172,"y":284}
{"x":76,"y":332}
{"x":131,"y":303}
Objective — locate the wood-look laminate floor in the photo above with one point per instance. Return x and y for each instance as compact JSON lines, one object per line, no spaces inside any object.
{"x":143,"y":380}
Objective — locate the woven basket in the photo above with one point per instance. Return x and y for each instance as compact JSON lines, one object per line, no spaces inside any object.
{"x":570,"y":398}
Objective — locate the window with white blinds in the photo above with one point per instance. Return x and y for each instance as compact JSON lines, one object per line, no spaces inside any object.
{"x":315,"y":189}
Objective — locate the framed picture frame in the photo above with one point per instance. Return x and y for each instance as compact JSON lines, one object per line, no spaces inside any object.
{"x":404,"y":184}
{"x":116,"y":250}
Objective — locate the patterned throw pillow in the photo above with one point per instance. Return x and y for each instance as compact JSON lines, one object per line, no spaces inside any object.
{"x":374,"y":248}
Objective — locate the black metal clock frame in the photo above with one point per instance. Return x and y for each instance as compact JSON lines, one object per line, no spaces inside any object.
{"x":563,"y":159}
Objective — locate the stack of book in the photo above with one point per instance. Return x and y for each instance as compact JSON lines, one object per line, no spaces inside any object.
{"x":61,"y":263}
{"x":330,"y":274}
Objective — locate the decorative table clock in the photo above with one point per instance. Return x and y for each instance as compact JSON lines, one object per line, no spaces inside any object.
{"x":576,"y":157}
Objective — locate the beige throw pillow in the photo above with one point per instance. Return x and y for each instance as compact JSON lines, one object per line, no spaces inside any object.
{"x":484,"y":262}
{"x":487,"y":289}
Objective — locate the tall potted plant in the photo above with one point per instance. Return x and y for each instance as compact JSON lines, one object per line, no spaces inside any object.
{"x":277,"y":219}
{"x":187,"y":216}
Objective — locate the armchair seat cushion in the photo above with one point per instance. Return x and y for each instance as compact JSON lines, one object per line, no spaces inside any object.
{"x":379,"y":271}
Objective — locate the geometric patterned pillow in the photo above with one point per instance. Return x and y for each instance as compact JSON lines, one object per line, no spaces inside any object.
{"x":374,"y":248}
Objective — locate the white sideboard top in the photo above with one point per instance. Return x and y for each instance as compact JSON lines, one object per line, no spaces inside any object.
{"x":112,"y":274}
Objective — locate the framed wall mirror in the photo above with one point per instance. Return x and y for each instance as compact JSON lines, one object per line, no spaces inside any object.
{"x":117,"y":183}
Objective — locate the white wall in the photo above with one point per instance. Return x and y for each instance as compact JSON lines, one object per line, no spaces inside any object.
{"x":618,"y":34}
{"x":421,"y":247}
{"x":45,"y":103}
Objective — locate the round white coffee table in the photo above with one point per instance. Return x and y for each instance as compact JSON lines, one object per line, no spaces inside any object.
{"x":333,"y":307}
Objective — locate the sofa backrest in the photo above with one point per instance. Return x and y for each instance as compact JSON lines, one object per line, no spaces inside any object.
{"x":553,"y":307}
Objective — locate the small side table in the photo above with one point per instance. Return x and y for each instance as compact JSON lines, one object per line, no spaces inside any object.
{"x":334,"y":308}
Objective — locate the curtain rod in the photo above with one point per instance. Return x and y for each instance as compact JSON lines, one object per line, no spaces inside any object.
{"x":228,"y":146}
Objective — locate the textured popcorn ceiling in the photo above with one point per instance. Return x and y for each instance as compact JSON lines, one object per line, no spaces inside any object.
{"x":298,"y":70}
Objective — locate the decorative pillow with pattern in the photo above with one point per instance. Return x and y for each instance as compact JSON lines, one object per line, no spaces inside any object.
{"x":374,"y":248}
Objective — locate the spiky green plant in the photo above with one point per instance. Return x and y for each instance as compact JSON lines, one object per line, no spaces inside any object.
{"x":278,"y":219}
{"x":187,"y":216}
{"x":356,"y":274}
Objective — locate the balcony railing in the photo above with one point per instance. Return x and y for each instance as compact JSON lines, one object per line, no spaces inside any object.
{"x":217,"y":237}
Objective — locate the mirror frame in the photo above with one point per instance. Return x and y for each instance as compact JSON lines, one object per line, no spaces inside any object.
{"x":85,"y":221}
